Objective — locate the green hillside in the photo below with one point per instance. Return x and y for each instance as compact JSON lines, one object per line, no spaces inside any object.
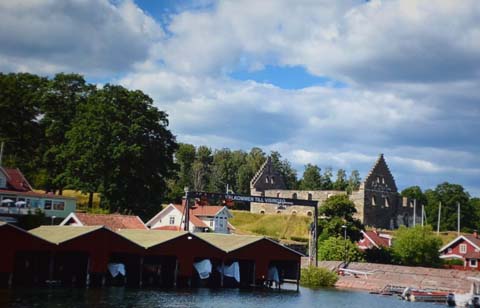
{"x":284,"y":227}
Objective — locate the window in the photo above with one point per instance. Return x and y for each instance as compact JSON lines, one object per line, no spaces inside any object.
{"x":48,"y":205}
{"x":273,"y":180}
{"x":294,"y":196}
{"x":278,"y":212}
{"x":59,"y":205}
{"x":2,"y":182}
{"x":172,"y":220}
{"x":387,"y":202}
{"x":309,"y":196}
{"x":463,"y":248}
{"x":309,"y":213}
{"x":374,"y":200}
{"x":278,"y":195}
{"x":383,"y":180}
{"x":473,"y":262}
{"x":267,"y":180}
{"x":262,"y":212}
{"x":378,"y":179}
{"x":211,"y":223}
{"x":294,"y":212}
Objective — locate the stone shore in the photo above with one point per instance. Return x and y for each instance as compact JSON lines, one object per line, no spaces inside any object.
{"x":404,"y":276}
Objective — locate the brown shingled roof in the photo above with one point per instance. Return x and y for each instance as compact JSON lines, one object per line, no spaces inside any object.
{"x":111,"y":221}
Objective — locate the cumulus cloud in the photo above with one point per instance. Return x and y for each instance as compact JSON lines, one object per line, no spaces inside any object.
{"x":88,"y":36}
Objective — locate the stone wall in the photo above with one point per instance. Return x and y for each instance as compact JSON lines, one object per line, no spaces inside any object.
{"x":316,"y":195}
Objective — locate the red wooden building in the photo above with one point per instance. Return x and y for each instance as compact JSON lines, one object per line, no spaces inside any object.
{"x":94,"y":255}
{"x":465,"y":248}
{"x":374,"y":239}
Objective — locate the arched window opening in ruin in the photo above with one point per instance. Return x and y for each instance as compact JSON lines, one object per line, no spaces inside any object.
{"x":294,"y":196}
{"x":309,"y":213}
{"x":383,"y":180}
{"x":374,"y":200}
{"x":309,"y":196}
{"x":273,"y":180}
{"x":262,"y":212}
{"x":278,"y":212}
{"x":267,"y":180}
{"x":294,"y":212}
{"x":378,"y":179}
{"x":387,"y":202}
{"x":278,"y":195}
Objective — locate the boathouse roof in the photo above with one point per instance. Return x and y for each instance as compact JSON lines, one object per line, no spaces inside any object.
{"x":60,"y":234}
{"x":229,"y":242}
{"x":150,"y":238}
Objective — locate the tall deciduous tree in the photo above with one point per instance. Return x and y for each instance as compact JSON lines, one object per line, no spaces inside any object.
{"x":339,"y":249}
{"x":415,"y":192}
{"x":119,"y":145}
{"x":338,"y":211}
{"x":449,"y":194}
{"x":312,"y":179}
{"x":341,"y":181}
{"x":284,"y":167}
{"x":20,"y":96}
{"x":353,"y":181}
{"x":327,"y":179}
{"x":59,"y":104}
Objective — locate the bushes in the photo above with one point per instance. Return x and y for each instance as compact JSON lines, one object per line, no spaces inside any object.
{"x":453,"y":262}
{"x":315,"y":277}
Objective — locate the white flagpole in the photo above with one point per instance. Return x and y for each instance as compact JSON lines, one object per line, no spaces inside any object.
{"x":458,"y":218}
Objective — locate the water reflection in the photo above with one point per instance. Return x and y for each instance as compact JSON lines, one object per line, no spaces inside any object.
{"x":223,"y":298}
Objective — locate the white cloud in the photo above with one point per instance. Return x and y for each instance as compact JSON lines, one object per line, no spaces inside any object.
{"x":87,"y":36}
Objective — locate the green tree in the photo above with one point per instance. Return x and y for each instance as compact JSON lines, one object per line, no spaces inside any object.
{"x":341,"y":181}
{"x":119,"y":145}
{"x":223,"y":171}
{"x":201,"y":168}
{"x":338,"y":249}
{"x":416,"y":246}
{"x":327,"y":183}
{"x":415,"y":192}
{"x":59,"y":104}
{"x":338,"y":211}
{"x":353,"y":181}
{"x":284,"y":167}
{"x":449,"y":194}
{"x":20,"y":130}
{"x":312,"y":179}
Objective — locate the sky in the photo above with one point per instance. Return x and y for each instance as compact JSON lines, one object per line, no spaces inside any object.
{"x":332,"y":83}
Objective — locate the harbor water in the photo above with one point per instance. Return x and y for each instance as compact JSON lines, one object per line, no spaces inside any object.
{"x":222,"y":298}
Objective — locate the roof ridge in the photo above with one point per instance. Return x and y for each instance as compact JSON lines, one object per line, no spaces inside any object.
{"x":258,"y":174}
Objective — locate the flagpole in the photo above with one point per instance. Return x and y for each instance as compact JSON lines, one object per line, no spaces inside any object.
{"x":458,"y":218}
{"x":414,"y":212}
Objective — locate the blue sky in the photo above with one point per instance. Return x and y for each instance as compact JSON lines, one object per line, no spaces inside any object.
{"x":333,"y":83}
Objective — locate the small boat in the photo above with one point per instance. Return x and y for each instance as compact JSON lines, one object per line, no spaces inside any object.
{"x":419,"y":295}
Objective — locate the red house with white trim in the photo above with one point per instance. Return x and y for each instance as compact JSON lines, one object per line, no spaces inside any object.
{"x":465,"y":248}
{"x":374,"y":239}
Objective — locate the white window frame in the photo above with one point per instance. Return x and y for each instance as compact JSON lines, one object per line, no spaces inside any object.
{"x":463,"y":248}
{"x":470,"y":263}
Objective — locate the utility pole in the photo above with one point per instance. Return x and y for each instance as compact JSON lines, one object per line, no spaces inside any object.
{"x":187,"y":211}
{"x":458,"y":218}
{"x":414,"y":212}
{"x":439,"y":215}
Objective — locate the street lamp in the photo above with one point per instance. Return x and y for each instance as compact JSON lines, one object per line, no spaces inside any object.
{"x":344,"y":227}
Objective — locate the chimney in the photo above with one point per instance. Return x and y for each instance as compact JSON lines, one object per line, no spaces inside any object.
{"x":475,"y":233}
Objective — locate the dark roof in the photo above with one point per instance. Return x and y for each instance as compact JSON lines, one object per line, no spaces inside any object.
{"x":111,"y":221}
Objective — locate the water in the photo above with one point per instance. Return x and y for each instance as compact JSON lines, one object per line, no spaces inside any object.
{"x":223,"y":298}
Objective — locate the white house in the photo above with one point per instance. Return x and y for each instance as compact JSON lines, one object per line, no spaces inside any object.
{"x":203,"y":218}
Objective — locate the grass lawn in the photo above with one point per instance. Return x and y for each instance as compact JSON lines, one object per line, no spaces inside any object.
{"x":284,"y":227}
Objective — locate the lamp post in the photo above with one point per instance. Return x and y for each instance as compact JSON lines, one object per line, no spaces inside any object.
{"x":344,"y":227}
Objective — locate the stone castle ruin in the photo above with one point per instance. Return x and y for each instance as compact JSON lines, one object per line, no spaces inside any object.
{"x":378,"y":202}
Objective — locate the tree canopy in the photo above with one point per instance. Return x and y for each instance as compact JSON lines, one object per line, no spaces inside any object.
{"x":336,"y":248}
{"x":416,"y":246}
